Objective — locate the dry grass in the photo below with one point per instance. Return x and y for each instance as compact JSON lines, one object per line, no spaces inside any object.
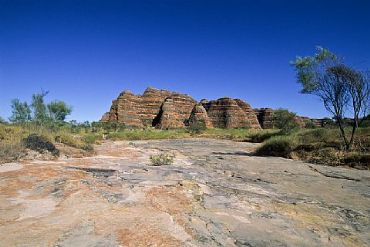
{"x":322,"y":146}
{"x":12,"y":145}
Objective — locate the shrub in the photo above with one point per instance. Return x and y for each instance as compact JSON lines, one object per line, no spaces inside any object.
{"x":11,"y":151}
{"x":197,"y":127}
{"x":263,"y":135}
{"x":310,"y":125}
{"x":280,"y":146}
{"x":149,"y":134}
{"x":162,"y":159}
{"x":319,"y":135}
{"x":40,"y":144}
{"x":92,"y":138}
{"x":357,"y":159}
{"x":285,"y":120}
{"x":326,"y":156}
{"x":87,"y":147}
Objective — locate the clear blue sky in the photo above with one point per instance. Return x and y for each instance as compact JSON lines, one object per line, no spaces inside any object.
{"x":87,"y":52}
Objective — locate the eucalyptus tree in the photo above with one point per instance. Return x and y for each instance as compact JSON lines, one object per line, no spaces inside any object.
{"x":343,"y":90}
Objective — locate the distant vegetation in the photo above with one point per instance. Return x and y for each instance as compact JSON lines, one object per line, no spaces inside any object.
{"x":38,"y":126}
{"x":285,"y":121}
{"x":342,"y":89}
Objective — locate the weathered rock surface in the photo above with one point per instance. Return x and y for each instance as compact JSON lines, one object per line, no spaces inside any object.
{"x":165,"y":109}
{"x":200,"y":114}
{"x":142,"y":110}
{"x":215,"y":194}
{"x":168,"y":116}
{"x":230,"y":113}
{"x":265,"y":117}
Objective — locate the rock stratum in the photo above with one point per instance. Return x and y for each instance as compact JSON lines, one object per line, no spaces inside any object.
{"x":165,"y":109}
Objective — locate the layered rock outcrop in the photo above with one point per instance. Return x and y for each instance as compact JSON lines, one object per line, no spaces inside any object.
{"x":199,"y":114}
{"x":165,"y":109}
{"x":150,"y":108}
{"x":230,"y":113}
{"x":265,"y":117}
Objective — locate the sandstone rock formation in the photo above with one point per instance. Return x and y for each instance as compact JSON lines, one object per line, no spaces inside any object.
{"x":230,"y":113}
{"x":165,"y":109}
{"x":168,"y":116}
{"x":144,"y":110}
{"x":200,"y":114}
{"x":265,"y":117}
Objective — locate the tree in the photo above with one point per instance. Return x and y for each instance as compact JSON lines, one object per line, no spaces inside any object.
{"x":38,"y":107}
{"x":285,"y":120}
{"x":21,"y":111}
{"x":58,"y":110}
{"x":342,"y":89}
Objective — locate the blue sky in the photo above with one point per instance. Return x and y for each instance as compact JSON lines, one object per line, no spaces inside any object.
{"x":87,"y":52}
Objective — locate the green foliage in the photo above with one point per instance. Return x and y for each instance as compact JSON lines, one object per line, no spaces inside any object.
{"x":285,"y":120}
{"x":51,"y":115}
{"x":320,"y":145}
{"x":92,"y":138}
{"x":12,"y":136}
{"x":21,"y":112}
{"x":321,"y":135}
{"x":342,"y":89}
{"x":40,"y":144}
{"x":108,"y":126}
{"x":147,"y":134}
{"x":280,"y":146}
{"x":357,"y":159}
{"x":162,"y":159}
{"x":262,"y":135}
{"x":11,"y":151}
{"x":58,"y":110}
{"x":310,"y":69}
{"x":197,"y":127}
{"x":39,"y":108}
{"x":310,"y":125}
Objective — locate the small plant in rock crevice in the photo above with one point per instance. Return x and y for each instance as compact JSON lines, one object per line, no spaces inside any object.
{"x":162,"y":159}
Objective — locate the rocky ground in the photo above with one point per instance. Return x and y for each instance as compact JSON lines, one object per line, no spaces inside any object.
{"x":215,"y":194}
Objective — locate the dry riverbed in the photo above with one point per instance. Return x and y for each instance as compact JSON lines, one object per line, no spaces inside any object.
{"x":215,"y":194}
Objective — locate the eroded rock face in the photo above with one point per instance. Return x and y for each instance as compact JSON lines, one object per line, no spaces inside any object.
{"x":230,"y":113}
{"x":200,"y":114}
{"x":168,"y":117}
{"x":165,"y":109}
{"x":142,"y":110}
{"x":265,"y":117}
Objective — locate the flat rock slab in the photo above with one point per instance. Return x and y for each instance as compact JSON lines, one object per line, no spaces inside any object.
{"x":215,"y":194}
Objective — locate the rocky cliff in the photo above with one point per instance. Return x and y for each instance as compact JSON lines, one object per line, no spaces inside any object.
{"x":231,"y":113}
{"x":153,"y":108}
{"x":165,"y":109}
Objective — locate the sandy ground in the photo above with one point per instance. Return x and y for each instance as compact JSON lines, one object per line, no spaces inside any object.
{"x":215,"y":194}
